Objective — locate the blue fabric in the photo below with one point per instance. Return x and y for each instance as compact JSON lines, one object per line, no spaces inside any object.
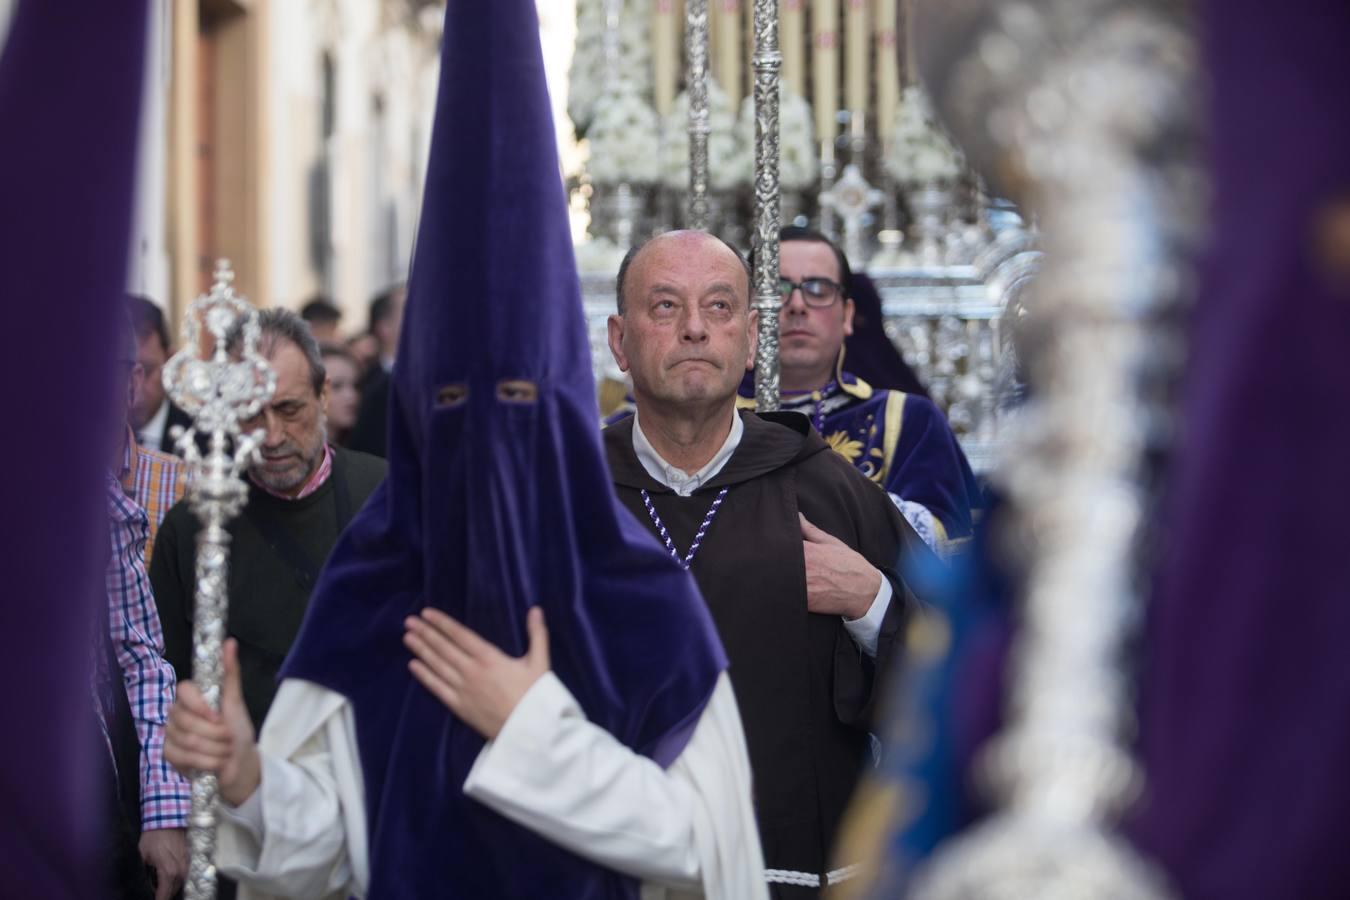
{"x":493,"y":505}
{"x":945,"y":701}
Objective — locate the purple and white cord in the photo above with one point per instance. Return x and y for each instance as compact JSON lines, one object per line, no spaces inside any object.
{"x":698,"y":536}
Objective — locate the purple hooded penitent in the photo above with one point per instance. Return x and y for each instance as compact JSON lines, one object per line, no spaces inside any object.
{"x":497,"y":499}
{"x":1245,"y":708}
{"x":70,"y":95}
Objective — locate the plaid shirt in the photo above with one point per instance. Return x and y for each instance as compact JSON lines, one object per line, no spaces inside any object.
{"x":133,"y":623}
{"x":155,"y":481}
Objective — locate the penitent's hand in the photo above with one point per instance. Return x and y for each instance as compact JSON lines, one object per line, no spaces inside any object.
{"x":198,"y":738}
{"x":839,"y":581}
{"x":478,"y":682}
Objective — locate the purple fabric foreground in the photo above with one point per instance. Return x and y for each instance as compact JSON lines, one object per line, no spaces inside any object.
{"x":497,"y":499}
{"x":70,"y":92}
{"x":1246,"y":686}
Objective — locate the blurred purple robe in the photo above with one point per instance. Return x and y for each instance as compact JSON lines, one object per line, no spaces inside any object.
{"x":70,"y":93}
{"x":1245,"y":706}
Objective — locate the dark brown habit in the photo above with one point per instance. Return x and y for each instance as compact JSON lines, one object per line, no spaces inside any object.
{"x":804,"y":688}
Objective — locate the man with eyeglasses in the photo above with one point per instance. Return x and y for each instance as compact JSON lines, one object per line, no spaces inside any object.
{"x":900,"y":441}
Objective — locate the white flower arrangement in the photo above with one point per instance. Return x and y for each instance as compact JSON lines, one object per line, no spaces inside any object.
{"x":589,"y":78}
{"x":623,"y":139}
{"x":920,"y":152}
{"x":798,"y":161}
{"x":726,"y":163}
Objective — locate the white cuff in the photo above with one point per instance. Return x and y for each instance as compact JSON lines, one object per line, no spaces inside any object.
{"x":505,"y":762}
{"x":867,"y":630}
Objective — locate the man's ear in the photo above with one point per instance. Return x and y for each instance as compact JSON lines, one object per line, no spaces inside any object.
{"x":615,"y":325}
{"x":323,"y":395}
{"x":849,"y":310}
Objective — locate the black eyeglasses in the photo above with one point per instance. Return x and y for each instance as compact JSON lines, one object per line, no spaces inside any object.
{"x":817,"y":292}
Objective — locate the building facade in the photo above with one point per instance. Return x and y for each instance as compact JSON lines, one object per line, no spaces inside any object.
{"x":289,"y":136}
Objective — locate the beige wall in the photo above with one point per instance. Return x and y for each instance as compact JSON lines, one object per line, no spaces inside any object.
{"x":243,"y":136}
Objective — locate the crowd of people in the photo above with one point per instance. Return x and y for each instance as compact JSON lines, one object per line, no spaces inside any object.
{"x":481,"y":646}
{"x":669,"y":450}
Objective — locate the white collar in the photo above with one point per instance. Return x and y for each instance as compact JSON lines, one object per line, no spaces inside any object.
{"x":675,"y":478}
{"x":151,"y":435}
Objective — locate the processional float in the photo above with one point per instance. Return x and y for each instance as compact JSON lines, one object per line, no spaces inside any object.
{"x":220,"y":380}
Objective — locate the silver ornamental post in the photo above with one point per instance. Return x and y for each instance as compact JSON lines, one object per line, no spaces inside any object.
{"x":220,"y":380}
{"x":768,"y":199}
{"x":1086,"y":103}
{"x":696,"y":49}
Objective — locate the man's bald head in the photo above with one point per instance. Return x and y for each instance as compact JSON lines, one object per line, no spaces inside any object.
{"x":693,"y":240}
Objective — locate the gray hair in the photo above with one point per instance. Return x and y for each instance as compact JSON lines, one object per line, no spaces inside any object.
{"x":283,"y":324}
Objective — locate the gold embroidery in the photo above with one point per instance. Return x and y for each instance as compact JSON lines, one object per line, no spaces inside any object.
{"x":894,"y":416}
{"x":845,"y":446}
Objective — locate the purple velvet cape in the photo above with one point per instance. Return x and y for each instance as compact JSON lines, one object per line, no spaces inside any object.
{"x":70,"y":96}
{"x":1245,"y":706}
{"x":494,"y":504}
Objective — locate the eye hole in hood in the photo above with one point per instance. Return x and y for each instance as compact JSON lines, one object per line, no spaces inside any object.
{"x":452,"y":395}
{"x":517,"y":390}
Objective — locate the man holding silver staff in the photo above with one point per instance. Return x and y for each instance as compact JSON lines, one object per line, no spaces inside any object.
{"x":303,"y":493}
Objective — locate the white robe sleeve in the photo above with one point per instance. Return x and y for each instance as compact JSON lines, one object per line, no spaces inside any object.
{"x":303,"y":832}
{"x":687,"y":827}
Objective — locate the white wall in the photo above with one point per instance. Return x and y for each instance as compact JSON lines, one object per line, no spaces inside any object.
{"x":148,"y":272}
{"x":376,"y":160}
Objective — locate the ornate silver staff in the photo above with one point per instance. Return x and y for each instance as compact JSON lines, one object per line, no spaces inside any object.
{"x":768,"y":202}
{"x":696,"y":49}
{"x":220,"y":385}
{"x":1084,"y":106}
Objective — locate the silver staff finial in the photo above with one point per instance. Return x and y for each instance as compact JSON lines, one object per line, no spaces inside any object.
{"x":220,"y":380}
{"x":224,"y":274}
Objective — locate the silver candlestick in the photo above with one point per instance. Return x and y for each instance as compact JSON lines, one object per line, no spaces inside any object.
{"x":851,"y":198}
{"x":696,"y":49}
{"x":221,"y":381}
{"x":768,"y":212}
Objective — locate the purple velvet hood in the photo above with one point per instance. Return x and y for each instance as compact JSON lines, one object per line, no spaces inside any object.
{"x":497,"y":498}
